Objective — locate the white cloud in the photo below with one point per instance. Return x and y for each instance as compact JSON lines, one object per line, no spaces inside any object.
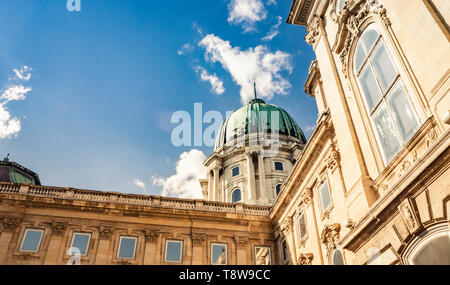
{"x":10,"y":126}
{"x":271,"y":2}
{"x":185,"y":49}
{"x":24,"y":73}
{"x":273,"y":30}
{"x":253,"y":65}
{"x":216,"y":83}
{"x":246,"y":13}
{"x":140,"y":184}
{"x":185,"y":182}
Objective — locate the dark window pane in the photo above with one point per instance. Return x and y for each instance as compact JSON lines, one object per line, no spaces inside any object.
{"x":338,"y":259}
{"x":127,"y":248}
{"x":278,"y":166}
{"x":236,"y":196}
{"x":80,"y":241}
{"x":31,"y":240}
{"x":235,"y":171}
{"x":173,"y":251}
{"x":278,"y":189}
{"x":302,"y":225}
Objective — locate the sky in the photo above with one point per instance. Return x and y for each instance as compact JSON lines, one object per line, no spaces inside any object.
{"x":87,"y":92}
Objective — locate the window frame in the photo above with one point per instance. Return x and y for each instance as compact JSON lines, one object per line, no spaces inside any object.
{"x":181,"y":250}
{"x":119,"y":246}
{"x":275,"y":166}
{"x":284,"y":257}
{"x":24,"y":236}
{"x":226,"y":252}
{"x":333,"y":252}
{"x":238,"y":171}
{"x":88,"y":243}
{"x":401,"y":80}
{"x":263,"y":246}
{"x":302,"y":213}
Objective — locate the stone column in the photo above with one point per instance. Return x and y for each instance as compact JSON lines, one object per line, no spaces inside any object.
{"x":216,"y":184}
{"x":198,"y":241}
{"x":210,"y":186}
{"x":54,"y":253}
{"x":241,"y":250}
{"x":151,"y":237}
{"x":251,"y":179}
{"x":10,"y":225}
{"x":104,"y":244}
{"x":265,"y":195}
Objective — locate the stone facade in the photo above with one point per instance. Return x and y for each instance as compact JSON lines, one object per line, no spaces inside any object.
{"x":347,"y":197}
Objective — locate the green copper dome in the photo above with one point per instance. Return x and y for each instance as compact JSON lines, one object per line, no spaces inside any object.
{"x":258,"y":117}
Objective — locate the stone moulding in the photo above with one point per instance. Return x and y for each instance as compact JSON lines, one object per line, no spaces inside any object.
{"x":330,"y":236}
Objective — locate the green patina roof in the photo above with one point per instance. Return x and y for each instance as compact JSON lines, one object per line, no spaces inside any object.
{"x":257,"y":117}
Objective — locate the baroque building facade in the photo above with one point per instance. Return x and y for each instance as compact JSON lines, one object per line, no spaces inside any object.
{"x":370,"y":186}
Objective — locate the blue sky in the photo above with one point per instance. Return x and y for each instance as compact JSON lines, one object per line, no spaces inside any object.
{"x":103,"y":82}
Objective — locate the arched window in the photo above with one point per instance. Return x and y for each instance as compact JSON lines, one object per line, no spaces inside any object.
{"x":337,"y":257}
{"x":430,"y":248}
{"x":236,"y":196}
{"x":389,"y":107}
{"x":278,"y":189}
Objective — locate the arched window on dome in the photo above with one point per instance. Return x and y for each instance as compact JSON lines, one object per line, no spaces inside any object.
{"x":388,"y":105}
{"x":236,"y":196}
{"x":278,"y":189}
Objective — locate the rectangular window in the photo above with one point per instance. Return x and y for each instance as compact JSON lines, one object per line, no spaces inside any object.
{"x":80,"y":243}
{"x":279,"y":166}
{"x":325,"y":198}
{"x":219,"y":254}
{"x":235,"y":171}
{"x":302,"y":225}
{"x":127,"y":247}
{"x":31,"y":240}
{"x":174,"y":251}
{"x":263,"y":255}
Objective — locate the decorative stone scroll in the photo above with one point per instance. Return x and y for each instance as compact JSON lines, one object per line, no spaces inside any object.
{"x":330,"y":236}
{"x":106,"y":232}
{"x":151,"y":235}
{"x":409,"y":217}
{"x":313,"y":36}
{"x":10,"y":224}
{"x":286,"y":227}
{"x":332,"y":160}
{"x":58,"y":228}
{"x":305,"y":259}
{"x":241,"y":242}
{"x":198,"y":238}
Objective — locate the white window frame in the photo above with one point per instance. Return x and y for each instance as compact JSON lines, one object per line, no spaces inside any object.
{"x":25,"y":235}
{"x":181,"y":251}
{"x":226,"y":252}
{"x":324,"y":210}
{"x":88,"y":243}
{"x":398,"y":80}
{"x":134,"y":249}
{"x":302,"y":213}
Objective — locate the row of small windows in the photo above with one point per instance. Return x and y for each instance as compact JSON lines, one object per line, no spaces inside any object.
{"x":79,"y":245}
{"x":235,"y":171}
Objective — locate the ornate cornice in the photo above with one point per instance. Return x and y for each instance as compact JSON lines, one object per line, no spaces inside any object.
{"x":330,"y":236}
{"x":305,"y":259}
{"x":312,"y":38}
{"x":286,"y":227}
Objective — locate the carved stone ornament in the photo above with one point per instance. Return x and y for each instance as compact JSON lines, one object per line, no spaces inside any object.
{"x":332,"y":160}
{"x":151,"y":235}
{"x":306,"y":196}
{"x":58,"y":228}
{"x":406,"y":164}
{"x":350,"y":26}
{"x":10,"y":224}
{"x":314,"y":31}
{"x":198,"y":238}
{"x":330,"y":236}
{"x":241,"y":242}
{"x":286,"y":227}
{"x":106,"y":232}
{"x":407,"y":213}
{"x":305,"y":259}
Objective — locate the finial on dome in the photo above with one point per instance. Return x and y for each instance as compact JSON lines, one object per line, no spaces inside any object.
{"x":254,"y":88}
{"x":6,"y":159}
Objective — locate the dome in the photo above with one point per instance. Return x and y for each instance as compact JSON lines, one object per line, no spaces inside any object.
{"x":256,"y":117}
